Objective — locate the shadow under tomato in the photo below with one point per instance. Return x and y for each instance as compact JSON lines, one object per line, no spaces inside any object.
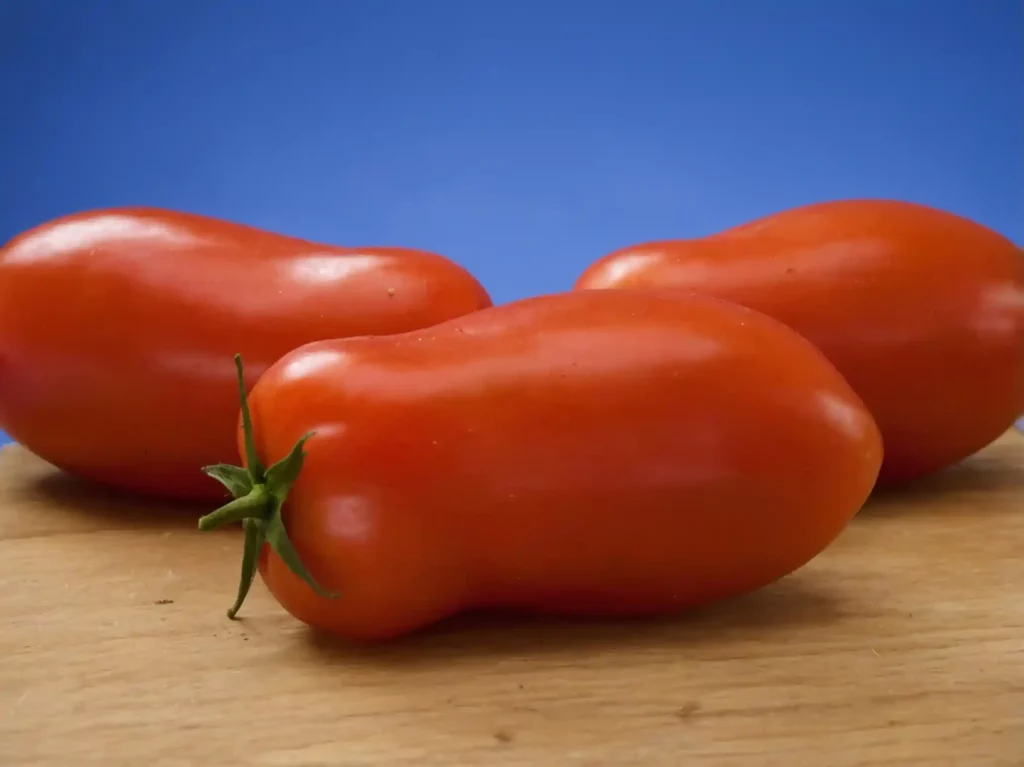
{"x":77,"y":497}
{"x":983,"y":477}
{"x":792,"y":603}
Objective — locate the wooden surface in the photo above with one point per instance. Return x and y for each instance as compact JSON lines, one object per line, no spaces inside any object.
{"x":902,"y":645}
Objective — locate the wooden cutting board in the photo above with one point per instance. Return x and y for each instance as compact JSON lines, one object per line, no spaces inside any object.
{"x":903,"y":644}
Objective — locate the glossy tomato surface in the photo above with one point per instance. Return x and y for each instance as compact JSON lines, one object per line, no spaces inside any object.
{"x":117,"y":330}
{"x":603,"y":453}
{"x":921,"y":310}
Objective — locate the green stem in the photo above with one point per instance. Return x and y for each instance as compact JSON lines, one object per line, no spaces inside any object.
{"x":259,"y":494}
{"x":243,"y":509}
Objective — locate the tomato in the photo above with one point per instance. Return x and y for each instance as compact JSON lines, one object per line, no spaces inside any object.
{"x":117,"y":329}
{"x":600,"y":453}
{"x":921,"y":310}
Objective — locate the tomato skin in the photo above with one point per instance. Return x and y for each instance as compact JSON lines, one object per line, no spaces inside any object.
{"x":921,"y":310}
{"x":117,"y":330}
{"x":599,"y":453}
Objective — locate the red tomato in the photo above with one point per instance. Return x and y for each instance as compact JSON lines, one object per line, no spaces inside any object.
{"x":921,"y":310}
{"x":117,"y":329}
{"x":601,"y":453}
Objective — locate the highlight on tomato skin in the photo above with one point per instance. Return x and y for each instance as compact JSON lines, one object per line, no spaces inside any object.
{"x":922,"y":310}
{"x":589,"y":454}
{"x":117,"y":328}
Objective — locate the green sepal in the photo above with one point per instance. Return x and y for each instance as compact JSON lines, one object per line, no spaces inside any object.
{"x":237,"y":480}
{"x":254,"y":539}
{"x":279,"y":541}
{"x":281,"y":476}
{"x":259,"y":495}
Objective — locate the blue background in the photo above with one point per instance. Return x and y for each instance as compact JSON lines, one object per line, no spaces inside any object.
{"x":522,"y":139}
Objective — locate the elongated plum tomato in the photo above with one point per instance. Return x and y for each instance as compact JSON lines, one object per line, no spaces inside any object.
{"x":921,"y":310}
{"x":600,"y":453}
{"x":117,"y":329}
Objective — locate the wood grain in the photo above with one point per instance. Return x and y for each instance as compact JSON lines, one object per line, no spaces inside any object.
{"x":903,"y":644}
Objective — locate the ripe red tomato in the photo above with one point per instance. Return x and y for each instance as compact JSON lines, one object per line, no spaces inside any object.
{"x":601,"y":453}
{"x":921,"y":310}
{"x":117,"y":329}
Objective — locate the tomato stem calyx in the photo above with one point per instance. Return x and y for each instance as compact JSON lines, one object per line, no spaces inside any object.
{"x":258,"y":495}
